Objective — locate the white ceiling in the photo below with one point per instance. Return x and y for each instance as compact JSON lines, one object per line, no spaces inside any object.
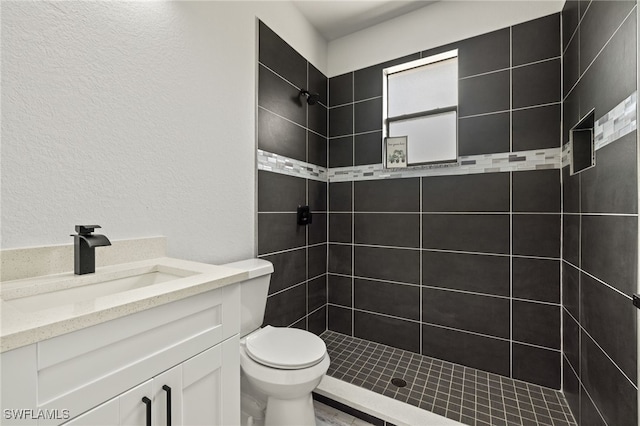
{"x":334,"y":19}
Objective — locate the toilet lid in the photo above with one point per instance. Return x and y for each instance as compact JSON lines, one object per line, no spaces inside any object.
{"x":285,"y":348}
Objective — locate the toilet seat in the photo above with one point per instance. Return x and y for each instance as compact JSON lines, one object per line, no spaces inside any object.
{"x":285,"y":348}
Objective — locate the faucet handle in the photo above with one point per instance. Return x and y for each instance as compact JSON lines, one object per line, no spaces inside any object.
{"x":86,"y":229}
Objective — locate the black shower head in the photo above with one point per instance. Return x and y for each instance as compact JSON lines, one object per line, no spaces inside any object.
{"x":312,"y":98}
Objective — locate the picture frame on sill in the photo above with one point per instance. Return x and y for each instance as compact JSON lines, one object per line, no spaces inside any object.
{"x":395,"y":153}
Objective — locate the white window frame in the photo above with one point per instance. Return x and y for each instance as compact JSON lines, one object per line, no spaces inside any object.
{"x":386,"y":120}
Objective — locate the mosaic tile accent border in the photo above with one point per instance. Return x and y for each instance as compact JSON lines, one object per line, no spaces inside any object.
{"x":472,"y":164}
{"x":464,"y":394}
{"x":618,"y":122}
{"x":271,"y":162}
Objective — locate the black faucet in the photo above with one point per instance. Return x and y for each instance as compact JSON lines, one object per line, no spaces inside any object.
{"x":84,"y":248}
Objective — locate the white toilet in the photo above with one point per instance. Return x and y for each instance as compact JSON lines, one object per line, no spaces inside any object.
{"x":280,"y":366}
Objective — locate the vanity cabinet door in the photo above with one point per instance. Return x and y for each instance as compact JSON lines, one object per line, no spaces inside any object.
{"x":211,"y":386}
{"x":167,"y":398}
{"x":133,"y":411}
{"x":107,"y":414}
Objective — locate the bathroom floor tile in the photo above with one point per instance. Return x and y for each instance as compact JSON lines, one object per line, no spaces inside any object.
{"x":329,"y":416}
{"x":461,"y":393}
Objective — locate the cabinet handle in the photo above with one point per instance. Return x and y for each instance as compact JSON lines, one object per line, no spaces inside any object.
{"x":167,"y":389}
{"x":147,"y":402}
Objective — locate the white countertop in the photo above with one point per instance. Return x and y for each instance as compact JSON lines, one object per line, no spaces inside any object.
{"x":20,"y":328}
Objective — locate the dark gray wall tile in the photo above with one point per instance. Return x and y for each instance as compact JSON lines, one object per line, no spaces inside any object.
{"x":612,"y":77}
{"x":536,"y":235}
{"x":317,"y":261}
{"x":536,"y":365}
{"x":388,"y":331}
{"x":571,"y":340}
{"x":536,"y":128}
{"x":600,"y":22}
{"x":340,"y":259}
{"x":340,"y":195}
{"x":317,"y":293}
{"x":289,"y":268}
{"x":469,"y":272}
{"x":368,"y":148}
{"x":484,"y":134}
{"x":317,"y":195}
{"x":317,"y":118}
{"x":393,"y":195}
{"x":341,"y":120}
{"x":484,"y":93}
{"x":277,"y":135}
{"x":340,"y":320}
{"x":610,"y":319}
{"x":571,"y":111}
{"x":469,"y":232}
{"x":571,"y":289}
{"x":387,"y":264}
{"x":317,"y":321}
{"x":318,"y":83}
{"x":571,"y":390}
{"x":611,"y":186}
{"x":570,"y":18}
{"x":300,"y":324}
{"x":487,"y":192}
{"x":536,"y":191}
{"x":571,"y":239}
{"x":610,"y":250}
{"x":340,"y":227}
{"x":571,"y":66}
{"x":367,"y":115}
{"x":276,"y":54}
{"x":484,"y":53}
{"x":613,"y":394}
{"x":589,"y":414}
{"x":537,"y":324}
{"x":484,"y":353}
{"x":570,"y":191}
{"x":280,"y":97}
{"x":317,"y":149}
{"x":399,"y":300}
{"x":464,"y":311}
{"x":387,"y":229}
{"x":536,"y":40}
{"x":341,"y":89}
{"x":341,"y":152}
{"x":317,"y":230}
{"x":280,"y":193}
{"x":279,"y":231}
{"x":340,"y":290}
{"x":536,"y":84}
{"x":287,"y":307}
{"x":536,"y":279}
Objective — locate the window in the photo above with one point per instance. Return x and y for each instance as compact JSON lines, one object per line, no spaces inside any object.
{"x":420,"y":102}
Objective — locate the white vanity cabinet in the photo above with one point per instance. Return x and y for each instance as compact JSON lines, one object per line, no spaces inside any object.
{"x":100,"y":374}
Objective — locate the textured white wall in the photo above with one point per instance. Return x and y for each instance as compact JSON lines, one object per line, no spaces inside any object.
{"x":138,"y":116}
{"x":432,"y":26}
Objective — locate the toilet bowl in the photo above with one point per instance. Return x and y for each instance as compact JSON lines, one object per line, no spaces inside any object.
{"x":286,"y":365}
{"x":281,"y":365}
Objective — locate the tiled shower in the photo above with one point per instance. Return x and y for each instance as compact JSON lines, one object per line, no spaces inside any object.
{"x":507,"y":264}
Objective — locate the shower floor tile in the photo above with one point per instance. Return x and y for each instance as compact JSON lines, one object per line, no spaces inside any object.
{"x":464,"y":394}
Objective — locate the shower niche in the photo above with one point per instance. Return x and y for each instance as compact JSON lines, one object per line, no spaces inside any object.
{"x":583,"y":154}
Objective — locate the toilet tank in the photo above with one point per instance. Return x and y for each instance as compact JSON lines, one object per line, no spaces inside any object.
{"x":253,"y":292}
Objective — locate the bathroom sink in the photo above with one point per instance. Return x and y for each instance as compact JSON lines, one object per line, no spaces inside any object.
{"x":71,"y":289}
